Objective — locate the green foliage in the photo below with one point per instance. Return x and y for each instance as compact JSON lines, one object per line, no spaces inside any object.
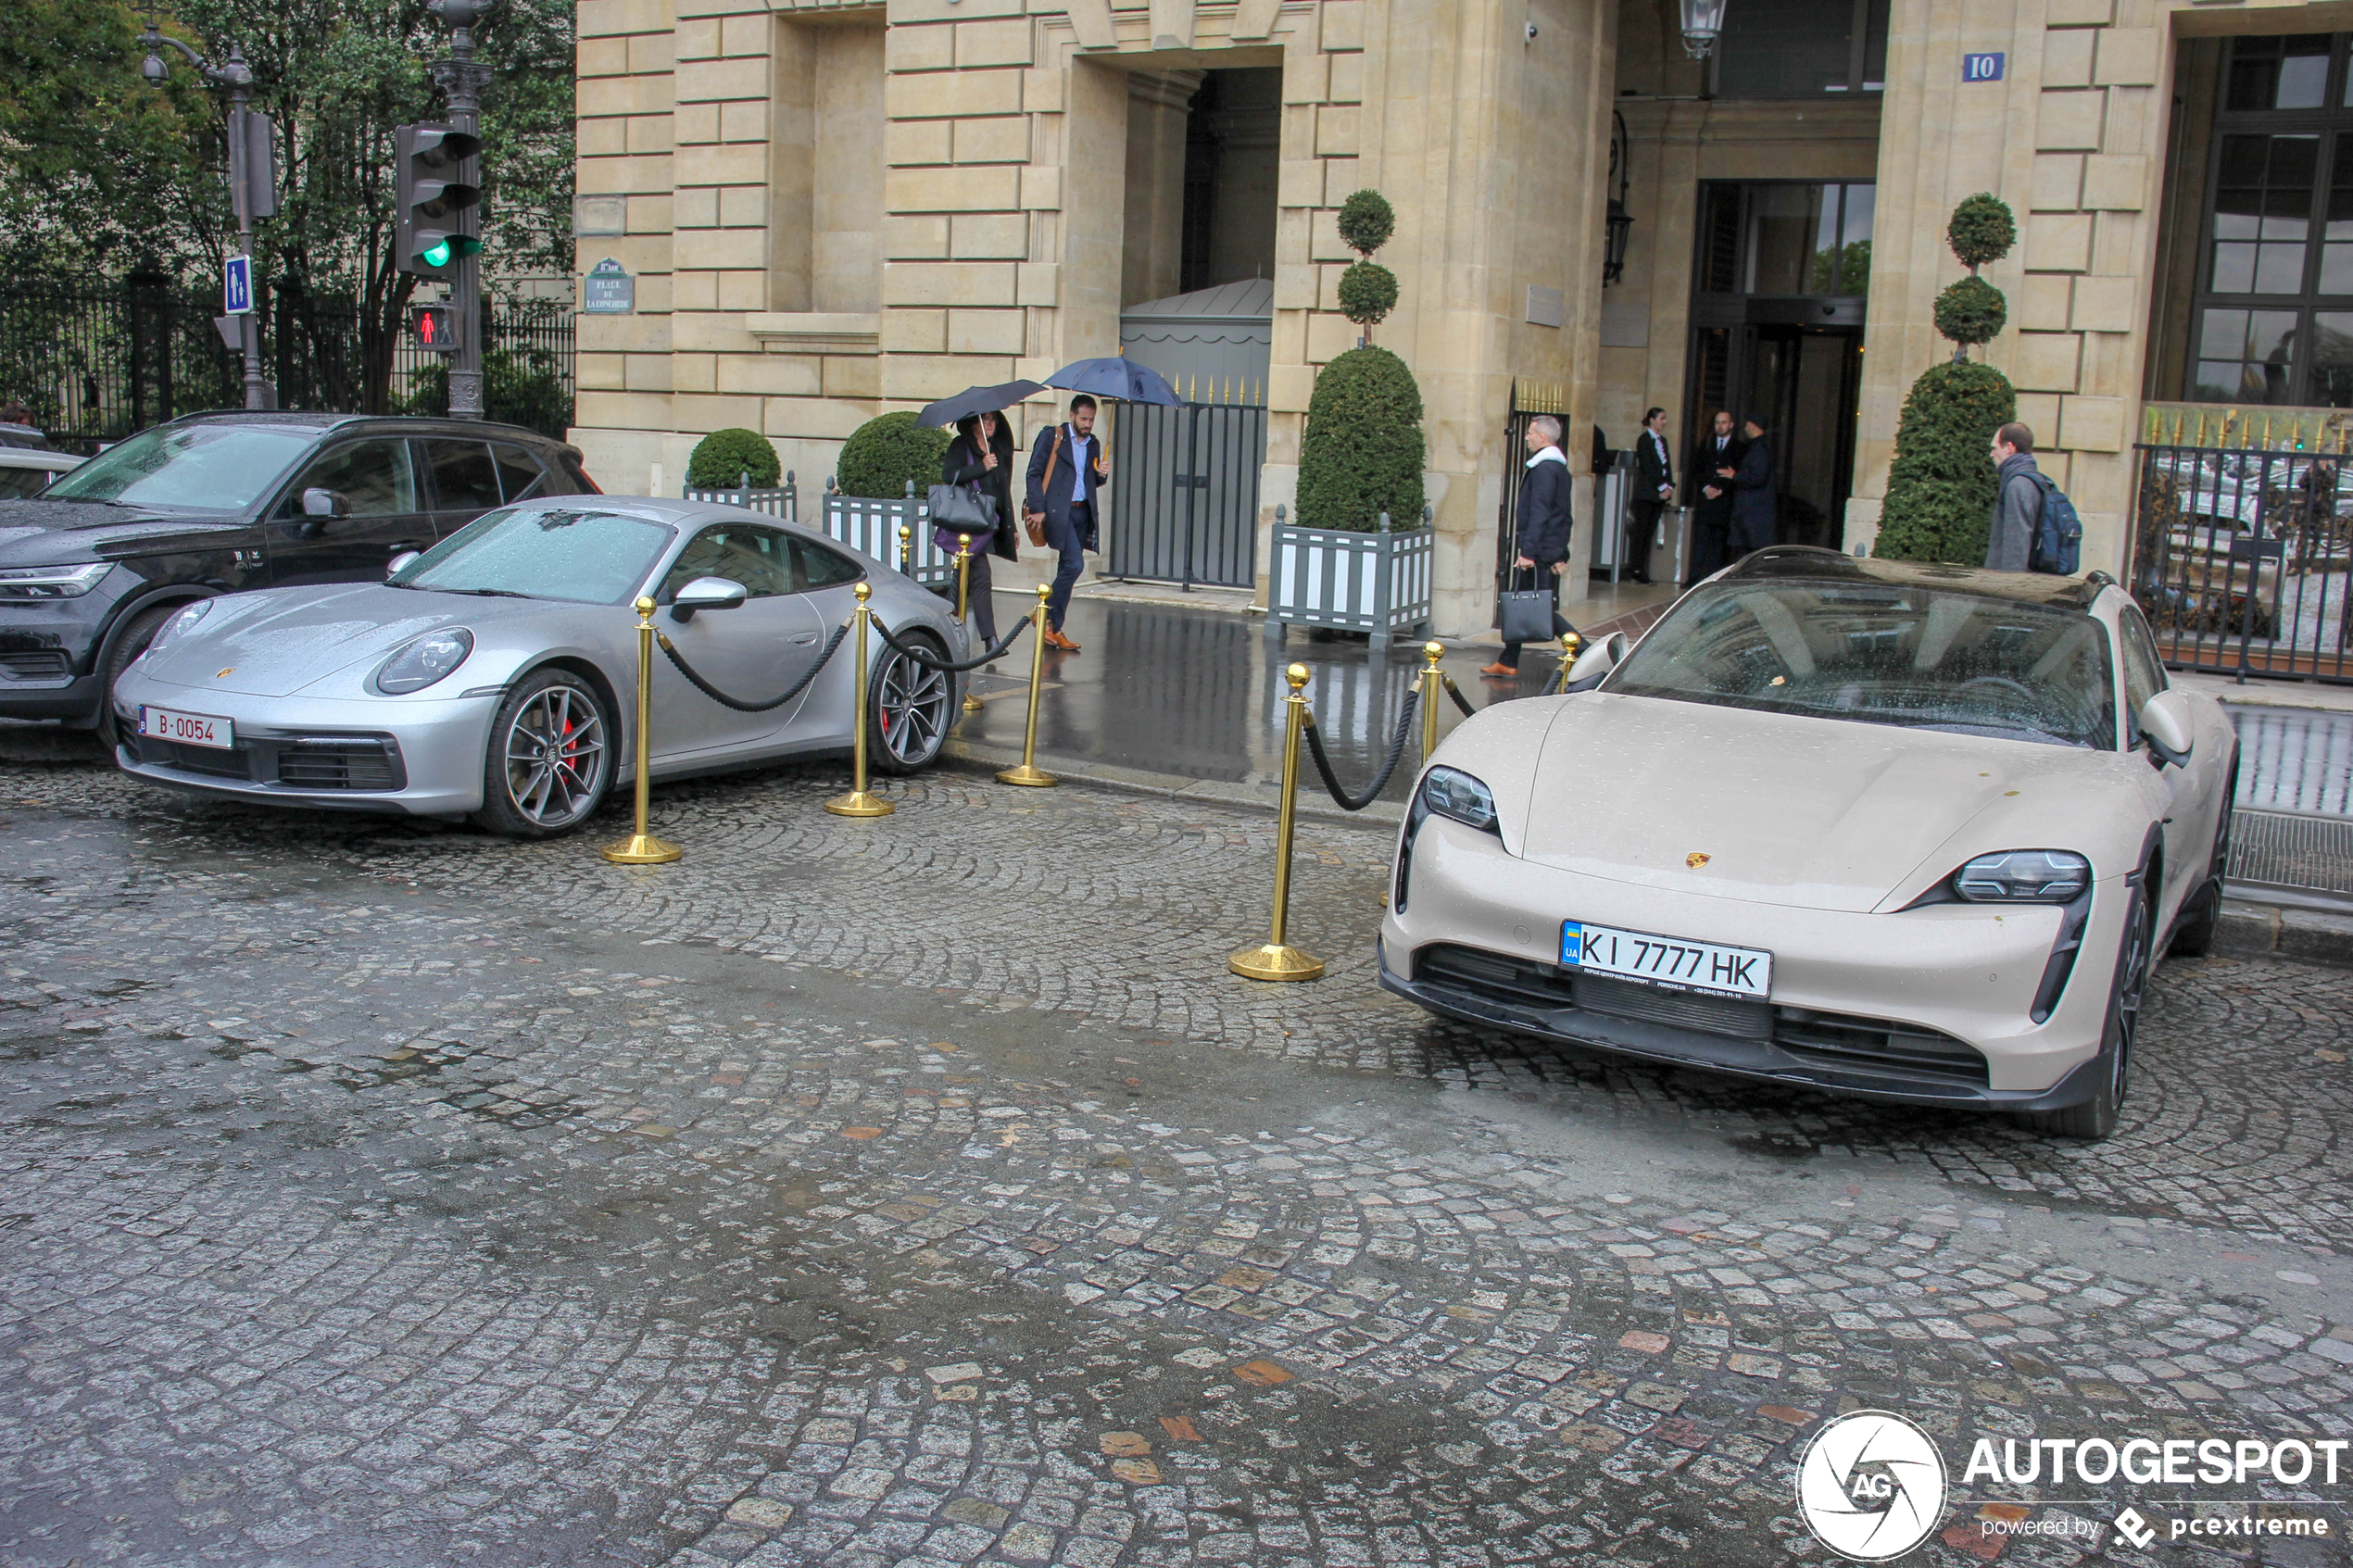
{"x":1367,"y":293}
{"x":1972,"y":310}
{"x":1981,"y":230}
{"x":1366,"y":221}
{"x":884,"y":453}
{"x":723,"y":456}
{"x":1846,"y":269}
{"x":518,"y":387}
{"x":1362,"y":455}
{"x":1940,"y":489}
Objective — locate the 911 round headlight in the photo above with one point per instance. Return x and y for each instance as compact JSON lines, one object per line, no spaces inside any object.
{"x":179,"y":624}
{"x":1449,"y":792}
{"x":2024,"y":876}
{"x":424,"y":662}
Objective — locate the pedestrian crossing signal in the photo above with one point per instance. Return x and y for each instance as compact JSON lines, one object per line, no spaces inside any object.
{"x":433,"y":327}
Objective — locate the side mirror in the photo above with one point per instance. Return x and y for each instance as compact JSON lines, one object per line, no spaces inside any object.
{"x":708,"y":593}
{"x":1599,"y":659}
{"x":2165,"y":724}
{"x":400,"y":562}
{"x":324,"y":503}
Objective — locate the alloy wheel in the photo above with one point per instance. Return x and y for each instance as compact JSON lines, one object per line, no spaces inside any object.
{"x":555,"y":752}
{"x":2132,"y":985}
{"x":912,"y":704}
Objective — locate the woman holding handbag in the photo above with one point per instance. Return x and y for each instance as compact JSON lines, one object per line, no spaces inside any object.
{"x":982,"y":458}
{"x":1541,"y":546}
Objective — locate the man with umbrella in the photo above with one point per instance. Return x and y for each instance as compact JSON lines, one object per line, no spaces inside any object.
{"x":1068,"y":469}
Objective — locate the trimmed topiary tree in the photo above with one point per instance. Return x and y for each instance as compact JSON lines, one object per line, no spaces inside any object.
{"x":1940,"y":489}
{"x":722,"y":458}
{"x":1362,"y":455}
{"x":887,"y":452}
{"x":1367,"y":290}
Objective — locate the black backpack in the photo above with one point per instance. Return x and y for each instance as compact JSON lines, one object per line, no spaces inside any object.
{"x":2058,"y":532}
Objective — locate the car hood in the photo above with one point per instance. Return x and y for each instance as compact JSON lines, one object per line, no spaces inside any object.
{"x":1821,"y":813}
{"x":38,"y":532}
{"x":280,"y":641}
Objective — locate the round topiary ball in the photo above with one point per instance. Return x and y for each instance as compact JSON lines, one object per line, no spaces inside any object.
{"x":883,"y":455}
{"x":1362,"y":455}
{"x":1972,"y":310}
{"x":1367,"y":293}
{"x":1981,"y":230}
{"x":1366,"y":221}
{"x":723,"y":457}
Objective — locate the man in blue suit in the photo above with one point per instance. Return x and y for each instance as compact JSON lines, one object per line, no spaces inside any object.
{"x":1068,"y":469}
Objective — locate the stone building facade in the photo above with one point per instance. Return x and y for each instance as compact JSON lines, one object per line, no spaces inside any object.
{"x":830,"y":210}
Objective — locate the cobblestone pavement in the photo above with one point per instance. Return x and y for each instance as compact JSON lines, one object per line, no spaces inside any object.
{"x":924,"y":1192}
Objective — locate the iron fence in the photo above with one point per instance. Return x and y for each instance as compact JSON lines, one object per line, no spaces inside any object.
{"x":1184,"y":491}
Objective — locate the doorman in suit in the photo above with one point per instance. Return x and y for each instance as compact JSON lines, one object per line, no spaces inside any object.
{"x":1654,"y":487}
{"x":1710,"y":473}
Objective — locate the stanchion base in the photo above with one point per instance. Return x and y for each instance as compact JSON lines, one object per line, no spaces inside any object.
{"x":642,"y":849}
{"x":973,"y":703}
{"x":860,"y":803}
{"x":1036,"y":778}
{"x":1270,"y":961}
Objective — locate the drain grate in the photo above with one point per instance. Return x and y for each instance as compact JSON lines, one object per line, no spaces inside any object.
{"x":2300,"y":854}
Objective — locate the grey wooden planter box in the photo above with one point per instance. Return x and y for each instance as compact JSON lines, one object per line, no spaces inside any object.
{"x":1378,"y":583}
{"x":783,"y":501}
{"x":864,"y":523}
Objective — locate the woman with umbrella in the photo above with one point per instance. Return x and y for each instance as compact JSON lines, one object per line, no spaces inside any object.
{"x":982,"y":457}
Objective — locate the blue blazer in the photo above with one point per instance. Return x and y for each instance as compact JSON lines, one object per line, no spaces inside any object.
{"x":1052,"y":449}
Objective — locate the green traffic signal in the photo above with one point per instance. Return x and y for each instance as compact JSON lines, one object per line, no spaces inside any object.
{"x":436,"y":255}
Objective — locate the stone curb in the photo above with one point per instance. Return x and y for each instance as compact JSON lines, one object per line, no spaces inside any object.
{"x":1313,"y":804}
{"x":2312,"y":935}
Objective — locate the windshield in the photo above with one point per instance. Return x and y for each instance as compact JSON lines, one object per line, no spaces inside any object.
{"x":216,"y":468}
{"x":581,"y":557}
{"x":1884,"y":654}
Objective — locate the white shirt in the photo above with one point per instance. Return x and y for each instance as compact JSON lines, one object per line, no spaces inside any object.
{"x":1081,"y":447}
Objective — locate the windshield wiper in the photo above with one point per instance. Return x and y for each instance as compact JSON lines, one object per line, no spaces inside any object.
{"x":478,"y":593}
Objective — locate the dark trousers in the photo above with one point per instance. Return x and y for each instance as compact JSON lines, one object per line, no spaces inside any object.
{"x":1068,"y":540}
{"x":1707,"y":548}
{"x":1561,"y":628}
{"x":977,"y":603}
{"x":1642,"y":527}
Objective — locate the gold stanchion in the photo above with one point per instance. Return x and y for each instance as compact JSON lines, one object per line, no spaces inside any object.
{"x":1028,"y":772}
{"x":907,"y":550}
{"x":1571,"y":643}
{"x":963,"y":575}
{"x":1278,"y":960}
{"x":1430,"y":684}
{"x":642,"y":848}
{"x":860,"y":802}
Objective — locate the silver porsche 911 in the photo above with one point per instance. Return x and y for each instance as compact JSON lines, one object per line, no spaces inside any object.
{"x":495,"y":674}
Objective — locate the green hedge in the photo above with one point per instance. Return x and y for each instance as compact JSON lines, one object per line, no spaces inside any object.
{"x":1940,"y":489}
{"x":722,"y":458}
{"x":884,"y":453}
{"x":1362,"y":455}
{"x":518,"y":387}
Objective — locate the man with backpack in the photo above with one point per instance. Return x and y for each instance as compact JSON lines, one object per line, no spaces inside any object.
{"x":2034,"y":526}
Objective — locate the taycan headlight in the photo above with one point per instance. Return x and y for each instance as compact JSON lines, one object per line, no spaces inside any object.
{"x":2024,"y":876}
{"x":423,"y":662}
{"x":1449,"y":792}
{"x":179,"y":624}
{"x":52,"y":581}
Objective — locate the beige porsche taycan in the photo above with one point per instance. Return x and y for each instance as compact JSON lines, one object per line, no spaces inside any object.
{"x":1910,"y":833}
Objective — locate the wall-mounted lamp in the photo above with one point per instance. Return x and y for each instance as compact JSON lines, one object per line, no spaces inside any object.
{"x":1703,"y":21}
{"x":1620,"y":223}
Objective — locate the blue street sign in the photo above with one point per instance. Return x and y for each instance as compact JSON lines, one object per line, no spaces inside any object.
{"x":236,"y":286}
{"x":1982,"y":68}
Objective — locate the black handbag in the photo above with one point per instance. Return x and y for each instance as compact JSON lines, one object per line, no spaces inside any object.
{"x":1526,"y":613}
{"x":958,"y":508}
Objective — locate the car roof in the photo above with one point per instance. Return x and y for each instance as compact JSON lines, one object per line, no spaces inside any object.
{"x":416,"y":424}
{"x":1801,"y":563}
{"x":36,"y":457}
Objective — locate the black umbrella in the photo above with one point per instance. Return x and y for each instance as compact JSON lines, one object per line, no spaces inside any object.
{"x":1116,"y":378}
{"x":977,"y":400}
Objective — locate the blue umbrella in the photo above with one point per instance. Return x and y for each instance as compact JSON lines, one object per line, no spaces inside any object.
{"x":1116,"y":378}
{"x":977,"y":400}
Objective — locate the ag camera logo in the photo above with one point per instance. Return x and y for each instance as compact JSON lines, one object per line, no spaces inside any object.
{"x":1871,"y":1485}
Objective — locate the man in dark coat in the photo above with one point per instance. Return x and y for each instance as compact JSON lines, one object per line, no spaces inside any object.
{"x":1654,"y":487}
{"x":1755,"y":496}
{"x":1067,"y":470}
{"x":1542,"y":543}
{"x":1714,"y":461}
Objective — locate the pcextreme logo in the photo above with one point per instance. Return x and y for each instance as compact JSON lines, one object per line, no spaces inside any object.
{"x":1871,"y":1485}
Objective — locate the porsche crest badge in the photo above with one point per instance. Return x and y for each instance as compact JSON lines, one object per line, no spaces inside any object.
{"x":224,"y":674}
{"x":1696,"y":860}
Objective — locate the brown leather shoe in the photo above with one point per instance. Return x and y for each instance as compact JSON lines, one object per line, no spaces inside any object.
{"x":1500,"y":672}
{"x":1056,"y":640}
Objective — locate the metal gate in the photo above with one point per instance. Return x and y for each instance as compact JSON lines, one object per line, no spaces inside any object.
{"x":1529,"y":399}
{"x":1184,"y":492}
{"x":2243,"y":556}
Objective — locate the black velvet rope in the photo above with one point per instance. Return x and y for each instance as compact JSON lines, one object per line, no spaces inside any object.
{"x":930,"y":660}
{"x":1457,"y":692}
{"x":1341,"y":797}
{"x":725,"y":701}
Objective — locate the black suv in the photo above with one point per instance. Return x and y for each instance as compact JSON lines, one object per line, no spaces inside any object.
{"x":219,"y":502}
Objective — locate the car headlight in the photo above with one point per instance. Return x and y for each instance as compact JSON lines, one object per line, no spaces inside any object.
{"x":178,"y":625}
{"x":1449,"y":792}
{"x":423,"y":662}
{"x":2024,"y":876}
{"x":52,"y":581}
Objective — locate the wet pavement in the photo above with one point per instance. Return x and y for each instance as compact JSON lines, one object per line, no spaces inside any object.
{"x":922,"y":1191}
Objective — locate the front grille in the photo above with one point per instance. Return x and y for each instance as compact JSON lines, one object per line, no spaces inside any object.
{"x":335,"y":764}
{"x":35,"y":664}
{"x":208,"y":760}
{"x":1826,"y":1039}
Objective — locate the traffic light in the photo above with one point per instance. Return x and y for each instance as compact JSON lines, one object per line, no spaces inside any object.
{"x":439,"y":185}
{"x":433,"y":327}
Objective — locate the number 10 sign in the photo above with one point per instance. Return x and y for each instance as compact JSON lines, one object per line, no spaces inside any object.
{"x":1982,"y":68}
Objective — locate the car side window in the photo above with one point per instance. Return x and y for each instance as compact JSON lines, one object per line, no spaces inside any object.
{"x":745,"y":553}
{"x":2144,"y":670}
{"x":519,"y":474}
{"x":464,"y":479}
{"x":822,"y":568}
{"x":374,"y":478}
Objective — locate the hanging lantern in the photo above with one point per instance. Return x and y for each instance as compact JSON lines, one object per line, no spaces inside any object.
{"x":1703,"y":20}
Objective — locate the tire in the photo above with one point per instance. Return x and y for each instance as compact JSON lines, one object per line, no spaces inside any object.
{"x":550,"y":761}
{"x":2096,"y":1118}
{"x":128,"y":646}
{"x":909,"y":710}
{"x":2194,"y":929}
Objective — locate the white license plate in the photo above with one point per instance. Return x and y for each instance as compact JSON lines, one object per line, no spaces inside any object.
{"x":1670,"y":962}
{"x":188,"y":729}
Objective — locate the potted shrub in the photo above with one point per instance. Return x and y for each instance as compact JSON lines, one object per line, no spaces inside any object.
{"x":887,"y":469}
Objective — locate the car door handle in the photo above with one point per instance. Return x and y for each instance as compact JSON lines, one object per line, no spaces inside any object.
{"x":804,"y":639}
